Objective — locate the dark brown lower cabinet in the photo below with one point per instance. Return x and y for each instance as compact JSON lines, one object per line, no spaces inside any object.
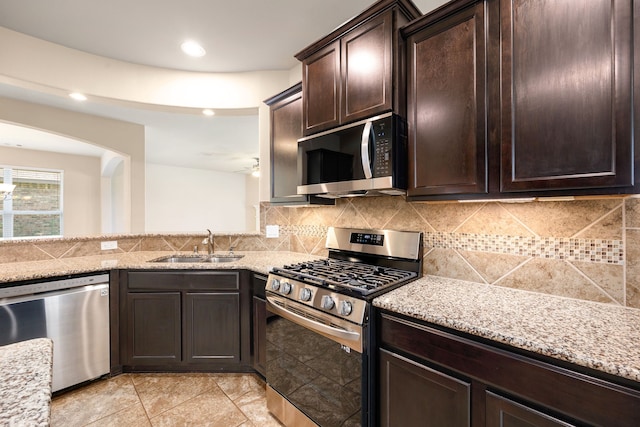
{"x":212,"y":322}
{"x":504,"y":412}
{"x":259,"y":324}
{"x":433,"y":376}
{"x":416,"y":395}
{"x":155,"y":328}
{"x":259,"y":337}
{"x":185,"y":320}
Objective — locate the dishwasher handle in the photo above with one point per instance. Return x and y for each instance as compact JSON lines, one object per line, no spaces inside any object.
{"x":103,"y":287}
{"x":53,"y":285}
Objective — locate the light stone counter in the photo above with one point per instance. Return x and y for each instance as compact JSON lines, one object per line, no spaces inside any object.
{"x":258,"y":261}
{"x":596,"y":335}
{"x":599,"y":336}
{"x":25,"y":383}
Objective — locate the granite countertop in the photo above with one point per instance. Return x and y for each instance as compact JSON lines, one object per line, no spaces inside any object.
{"x":595,"y":335}
{"x":25,"y":383}
{"x":258,"y":261}
{"x":600,"y":336}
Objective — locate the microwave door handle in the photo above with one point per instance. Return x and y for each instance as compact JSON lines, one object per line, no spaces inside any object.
{"x":364,"y":150}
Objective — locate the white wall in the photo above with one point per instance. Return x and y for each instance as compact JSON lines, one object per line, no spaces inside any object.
{"x":81,"y":193}
{"x":192,"y":200}
{"x":118,"y":221}
{"x":121,"y":137}
{"x":252,"y":186}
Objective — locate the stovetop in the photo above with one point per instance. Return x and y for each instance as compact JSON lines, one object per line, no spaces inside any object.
{"x":362,"y":264}
{"x":346,"y":276}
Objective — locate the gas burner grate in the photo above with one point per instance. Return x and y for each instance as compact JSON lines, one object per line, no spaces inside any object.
{"x":364,"y":278}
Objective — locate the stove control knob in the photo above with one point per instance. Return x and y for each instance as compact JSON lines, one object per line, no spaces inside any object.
{"x":275,"y":284}
{"x":327,"y":302}
{"x":286,"y":288}
{"x":346,"y":308}
{"x":305,"y":294}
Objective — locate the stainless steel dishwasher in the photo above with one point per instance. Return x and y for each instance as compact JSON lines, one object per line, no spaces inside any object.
{"x":73,"y":312}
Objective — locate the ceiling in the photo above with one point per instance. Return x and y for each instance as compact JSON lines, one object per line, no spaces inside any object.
{"x":238,"y":35}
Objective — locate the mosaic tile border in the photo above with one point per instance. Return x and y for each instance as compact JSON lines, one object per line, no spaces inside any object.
{"x":585,"y":250}
{"x":304,"y":230}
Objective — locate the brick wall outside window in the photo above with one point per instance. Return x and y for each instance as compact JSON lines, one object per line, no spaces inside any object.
{"x":35,"y":208}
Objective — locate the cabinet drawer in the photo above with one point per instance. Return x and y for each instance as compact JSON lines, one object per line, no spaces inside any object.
{"x":180,"y":280}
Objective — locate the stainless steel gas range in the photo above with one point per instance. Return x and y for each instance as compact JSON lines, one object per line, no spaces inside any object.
{"x":319,"y":339}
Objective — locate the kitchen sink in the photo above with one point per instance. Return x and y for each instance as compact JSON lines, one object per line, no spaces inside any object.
{"x":180,"y":258}
{"x":198,"y":258}
{"x":224,"y":258}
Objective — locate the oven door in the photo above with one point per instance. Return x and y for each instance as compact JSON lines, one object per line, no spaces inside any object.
{"x":314,"y":361}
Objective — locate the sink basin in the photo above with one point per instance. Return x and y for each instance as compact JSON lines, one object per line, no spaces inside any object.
{"x":198,"y":258}
{"x":181,"y":258}
{"x":224,"y":258}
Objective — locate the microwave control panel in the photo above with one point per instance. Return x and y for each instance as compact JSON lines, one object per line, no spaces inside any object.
{"x":383,"y":163}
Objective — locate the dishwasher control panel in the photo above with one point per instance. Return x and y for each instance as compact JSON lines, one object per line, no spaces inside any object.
{"x":52,"y":285}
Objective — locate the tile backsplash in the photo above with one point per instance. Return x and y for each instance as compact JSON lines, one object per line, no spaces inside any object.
{"x":585,"y":249}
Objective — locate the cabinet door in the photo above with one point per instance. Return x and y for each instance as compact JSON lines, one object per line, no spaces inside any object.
{"x":367,"y":86}
{"x":259,"y":344}
{"x":212,"y":327}
{"x":153,"y":329}
{"x":566,"y":93}
{"x":502,"y":412}
{"x":321,"y":88}
{"x":446,"y":106}
{"x":286,"y":129}
{"x":415,"y":395}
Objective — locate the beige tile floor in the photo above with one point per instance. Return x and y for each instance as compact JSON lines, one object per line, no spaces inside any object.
{"x":198,"y":399}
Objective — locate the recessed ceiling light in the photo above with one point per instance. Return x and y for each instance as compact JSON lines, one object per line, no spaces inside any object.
{"x":192,"y":48}
{"x":208,"y":112}
{"x":78,"y":96}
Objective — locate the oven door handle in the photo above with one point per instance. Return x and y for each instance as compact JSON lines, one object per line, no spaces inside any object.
{"x":340,"y":334}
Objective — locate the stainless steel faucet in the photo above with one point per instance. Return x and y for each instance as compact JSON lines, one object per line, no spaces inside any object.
{"x":210,"y":243}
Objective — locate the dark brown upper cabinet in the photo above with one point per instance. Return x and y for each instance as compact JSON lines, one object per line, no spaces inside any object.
{"x":512,"y":98}
{"x":321,"y":81}
{"x":357,"y":70}
{"x":566,"y":93}
{"x":366,"y":69}
{"x":286,"y":128}
{"x":446,"y":104}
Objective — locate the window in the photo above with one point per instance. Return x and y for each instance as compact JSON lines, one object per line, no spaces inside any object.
{"x":34,"y":208}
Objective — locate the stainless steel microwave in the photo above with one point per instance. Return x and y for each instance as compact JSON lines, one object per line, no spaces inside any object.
{"x":364,"y":158}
